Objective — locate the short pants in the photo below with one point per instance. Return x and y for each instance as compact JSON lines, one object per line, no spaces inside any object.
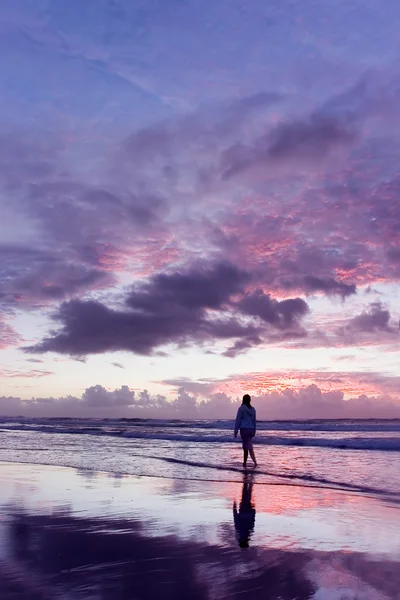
{"x":247,"y":435}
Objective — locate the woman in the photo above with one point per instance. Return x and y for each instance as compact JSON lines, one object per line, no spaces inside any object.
{"x":246,"y":423}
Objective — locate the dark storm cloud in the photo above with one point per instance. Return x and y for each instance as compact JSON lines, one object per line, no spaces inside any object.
{"x":172,"y":309}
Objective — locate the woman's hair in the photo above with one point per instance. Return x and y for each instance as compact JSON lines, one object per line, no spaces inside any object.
{"x":246,"y":400}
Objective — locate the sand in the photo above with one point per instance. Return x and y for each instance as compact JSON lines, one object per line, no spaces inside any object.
{"x":66,"y":533}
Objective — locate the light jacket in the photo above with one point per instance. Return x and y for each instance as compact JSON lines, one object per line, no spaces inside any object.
{"x":246,"y":418}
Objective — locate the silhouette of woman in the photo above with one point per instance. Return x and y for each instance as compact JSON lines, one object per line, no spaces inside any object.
{"x":245,"y":517}
{"x":246,"y":422}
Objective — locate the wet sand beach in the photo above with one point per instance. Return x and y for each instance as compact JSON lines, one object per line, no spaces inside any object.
{"x":68,"y":533}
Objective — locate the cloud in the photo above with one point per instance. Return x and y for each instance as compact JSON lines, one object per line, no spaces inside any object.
{"x":394,"y":254}
{"x":282,"y":315}
{"x":310,"y":284}
{"x":308,"y":402}
{"x":168,"y":309}
{"x":74,"y":234}
{"x":242,"y":346}
{"x":207,"y":287}
{"x":97,"y":397}
{"x":350,"y":383}
{"x":329,"y":285}
{"x":23,"y":373}
{"x":300,"y":141}
{"x":311,"y":403}
{"x":34,"y":277}
{"x":136,"y":209}
{"x":373,"y":324}
{"x":375,"y":318}
{"x":194,"y":305}
{"x":310,"y":140}
{"x":8,"y":335}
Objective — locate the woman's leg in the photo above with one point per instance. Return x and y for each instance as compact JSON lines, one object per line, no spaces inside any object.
{"x":245,"y":457}
{"x":253,"y":456}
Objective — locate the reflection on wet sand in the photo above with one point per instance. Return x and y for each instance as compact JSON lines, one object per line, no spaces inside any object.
{"x":49,"y":554}
{"x":245,"y":517}
{"x":60,"y":555}
{"x":146,"y":539}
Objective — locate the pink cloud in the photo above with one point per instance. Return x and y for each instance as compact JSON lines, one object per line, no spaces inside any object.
{"x":8,"y":335}
{"x":308,"y":402}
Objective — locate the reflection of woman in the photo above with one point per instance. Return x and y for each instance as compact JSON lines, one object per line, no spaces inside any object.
{"x":246,"y":423}
{"x":246,"y":515}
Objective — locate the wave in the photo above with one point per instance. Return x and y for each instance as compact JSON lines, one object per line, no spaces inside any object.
{"x":192,"y":435}
{"x":383,"y":444}
{"x":357,"y":425}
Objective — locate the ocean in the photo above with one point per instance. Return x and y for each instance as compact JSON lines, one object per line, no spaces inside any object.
{"x":350,"y":455}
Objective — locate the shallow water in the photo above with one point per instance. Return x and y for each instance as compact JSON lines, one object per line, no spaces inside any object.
{"x":318,"y":453}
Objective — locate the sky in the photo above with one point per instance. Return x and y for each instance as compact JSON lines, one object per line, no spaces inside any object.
{"x":198,"y":199}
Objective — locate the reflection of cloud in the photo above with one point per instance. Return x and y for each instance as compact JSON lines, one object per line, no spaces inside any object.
{"x":64,"y":544}
{"x":52,"y":552}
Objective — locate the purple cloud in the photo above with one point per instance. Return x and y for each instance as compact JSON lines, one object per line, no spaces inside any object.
{"x":376,"y":319}
{"x":242,"y":346}
{"x":169,"y":309}
{"x":33,"y":276}
{"x":302,"y":141}
{"x":190,"y":290}
{"x":329,"y":285}
{"x":282,"y":315}
{"x":173,"y":309}
{"x":311,"y":140}
{"x":307,"y":402}
{"x":8,"y":335}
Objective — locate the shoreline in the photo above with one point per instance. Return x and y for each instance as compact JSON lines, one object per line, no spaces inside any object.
{"x":289,"y":480}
